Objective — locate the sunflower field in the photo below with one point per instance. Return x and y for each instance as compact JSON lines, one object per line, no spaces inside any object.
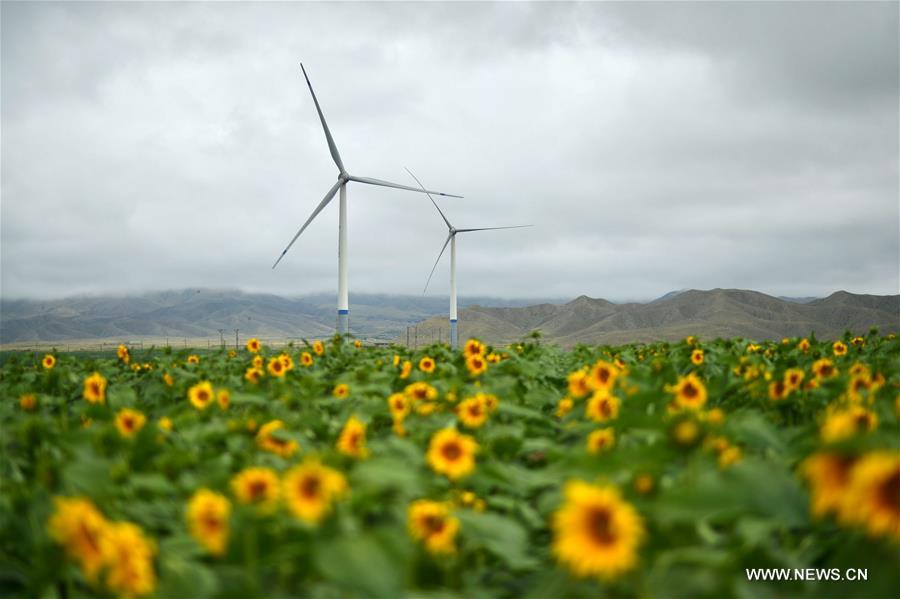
{"x":332,"y":469}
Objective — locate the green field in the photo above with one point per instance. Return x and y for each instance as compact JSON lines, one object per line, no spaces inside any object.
{"x":648,"y":470}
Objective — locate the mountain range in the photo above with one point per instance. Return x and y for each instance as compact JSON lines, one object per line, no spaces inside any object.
{"x":200,"y":313}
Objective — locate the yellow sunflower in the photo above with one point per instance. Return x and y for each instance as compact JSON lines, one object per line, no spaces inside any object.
{"x":253,"y":345}
{"x":828,"y":475}
{"x":431,"y":523}
{"x":398,"y":405}
{"x":697,"y":357}
{"x":306,"y":359}
{"x":201,"y":395}
{"x":689,"y":391}
{"x":578,"y":384}
{"x":803,"y":345}
{"x":223,"y":398}
{"x":28,"y":402}
{"x":193,"y":359}
{"x":207,"y":516}
{"x":779,"y":390}
{"x":287,"y":361}
{"x":95,"y":388}
{"x":272,"y":443}
{"x":451,"y":453}
{"x":824,"y":369}
{"x":276,"y":367}
{"x":843,"y":423}
{"x":793,"y":378}
{"x":421,"y":391}
{"x":474,"y":347}
{"x":600,"y":440}
{"x":839,"y":348}
{"x":873,"y":501}
{"x":602,"y":376}
{"x":253,"y":375}
{"x":165,"y":424}
{"x":341,"y":390}
{"x":405,"y":369}
{"x":564,"y":406}
{"x":128,"y":555}
{"x":602,"y":406}
{"x":352,"y":441}
{"x":257,"y":486}
{"x":427,"y":364}
{"x":476,"y":364}
{"x":48,"y":362}
{"x":129,"y":422}
{"x":472,"y":411}
{"x":78,"y":526}
{"x":318,"y":348}
{"x":310,"y":489}
{"x":596,"y":532}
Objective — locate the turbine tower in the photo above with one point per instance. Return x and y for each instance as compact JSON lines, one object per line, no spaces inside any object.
{"x":343,"y":318}
{"x":451,"y":239}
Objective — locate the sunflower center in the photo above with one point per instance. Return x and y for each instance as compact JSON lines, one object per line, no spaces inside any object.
{"x":689,"y":390}
{"x":353,"y":440}
{"x":203,"y":396}
{"x":310,"y":486}
{"x":211,"y":523}
{"x":95,"y":388}
{"x":452,"y":451}
{"x":889,"y":493}
{"x":599,"y":525}
{"x":605,"y":408}
{"x":433,"y":524}
{"x":257,"y":489}
{"x":603,"y":375}
{"x":127,"y":422}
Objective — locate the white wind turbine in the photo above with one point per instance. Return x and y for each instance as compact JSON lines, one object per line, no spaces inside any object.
{"x":451,"y":239}
{"x":343,"y":319}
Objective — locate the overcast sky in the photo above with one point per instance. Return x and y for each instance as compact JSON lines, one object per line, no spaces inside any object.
{"x":653,"y":146}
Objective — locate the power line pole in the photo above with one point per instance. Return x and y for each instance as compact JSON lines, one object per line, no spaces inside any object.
{"x":407,"y":336}
{"x":417,"y":337}
{"x":222,"y":338}
{"x":236,"y":339}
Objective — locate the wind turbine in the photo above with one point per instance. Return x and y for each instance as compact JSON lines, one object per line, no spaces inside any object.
{"x":343,"y":319}
{"x":451,"y":239}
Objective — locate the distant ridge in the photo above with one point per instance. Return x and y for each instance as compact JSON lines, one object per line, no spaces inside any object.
{"x":713,"y":313}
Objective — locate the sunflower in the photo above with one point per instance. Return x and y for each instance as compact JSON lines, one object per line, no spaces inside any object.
{"x":828,"y":475}
{"x":476,"y":364}
{"x":432,"y":523}
{"x":824,"y":369}
{"x":602,"y":406}
{"x":78,"y":526}
{"x":253,"y":345}
{"x":843,"y":423}
{"x":578,"y":385}
{"x":839,"y":348}
{"x":341,"y":390}
{"x":451,"y":453}
{"x":318,"y":348}
{"x":28,"y":402}
{"x":223,"y":398}
{"x":405,"y":369}
{"x":193,"y":359}
{"x":493,"y":358}
{"x":731,"y":454}
{"x":128,"y":555}
{"x":803,"y":345}
{"x":311,"y":488}
{"x":473,"y":347}
{"x":793,"y":377}
{"x":276,"y":367}
{"x":396,"y":360}
{"x":690,"y":340}
{"x":398,"y":405}
{"x":122,"y":353}
{"x":257,"y":486}
{"x":258,"y":362}
{"x":167,"y":379}
{"x":306,"y":359}
{"x":95,"y":388}
{"x":427,"y":364}
{"x":207,"y":516}
{"x":253,"y":375}
{"x":273,"y":444}
{"x":201,"y":395}
{"x":690,"y":392}
{"x":602,"y":376}
{"x":873,"y":500}
{"x":129,"y":422}
{"x":165,"y":424}
{"x":287,"y":361}
{"x":686,"y":432}
{"x":232,"y":353}
{"x":48,"y":362}
{"x":602,"y":439}
{"x":596,"y":532}
{"x":420,"y":392}
{"x":778,"y":390}
{"x":858,"y":341}
{"x":352,"y":441}
{"x":564,"y":406}
{"x":643,"y":484}
{"x":472,"y":411}
{"x":697,"y":357}
{"x":357,"y":344}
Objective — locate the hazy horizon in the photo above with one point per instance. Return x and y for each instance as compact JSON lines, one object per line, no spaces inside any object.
{"x":655,"y":146}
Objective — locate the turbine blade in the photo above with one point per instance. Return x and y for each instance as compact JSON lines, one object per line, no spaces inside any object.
{"x":449,"y":235}
{"x":328,"y":197}
{"x":334,"y":151}
{"x":492,"y":228}
{"x":449,"y":226}
{"x":371,"y":181}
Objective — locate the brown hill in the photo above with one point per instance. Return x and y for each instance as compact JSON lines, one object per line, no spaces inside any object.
{"x":710,"y":314}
